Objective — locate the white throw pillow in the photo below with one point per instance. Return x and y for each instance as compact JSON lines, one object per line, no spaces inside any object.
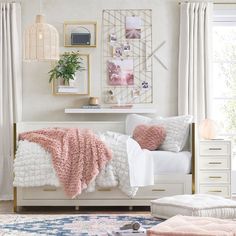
{"x":203,"y":205}
{"x":134,"y":120}
{"x":177,"y":131}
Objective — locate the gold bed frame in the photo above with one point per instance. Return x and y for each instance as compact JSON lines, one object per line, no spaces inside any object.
{"x":192,"y":145}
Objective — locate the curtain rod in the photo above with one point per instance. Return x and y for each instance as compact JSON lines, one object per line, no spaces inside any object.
{"x":216,"y":3}
{"x":10,"y":1}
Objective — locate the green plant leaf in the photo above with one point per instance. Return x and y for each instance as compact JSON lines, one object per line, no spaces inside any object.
{"x":66,"y":67}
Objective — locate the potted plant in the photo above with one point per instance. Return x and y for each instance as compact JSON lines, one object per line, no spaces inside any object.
{"x":65,"y":69}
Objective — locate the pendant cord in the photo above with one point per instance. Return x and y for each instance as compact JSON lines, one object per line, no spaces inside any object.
{"x":40,"y":7}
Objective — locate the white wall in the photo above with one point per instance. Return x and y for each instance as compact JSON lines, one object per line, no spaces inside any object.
{"x":38,"y":101}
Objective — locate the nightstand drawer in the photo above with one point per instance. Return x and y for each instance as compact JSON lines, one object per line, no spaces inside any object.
{"x":216,"y":163}
{"x":215,"y":148}
{"x":216,"y":190}
{"x":214,"y":177}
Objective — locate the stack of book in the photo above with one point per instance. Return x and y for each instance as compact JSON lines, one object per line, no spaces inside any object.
{"x":122,"y":106}
{"x":91,"y":107}
{"x":67,"y":89}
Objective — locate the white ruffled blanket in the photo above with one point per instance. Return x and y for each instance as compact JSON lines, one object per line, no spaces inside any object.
{"x":129,"y":168}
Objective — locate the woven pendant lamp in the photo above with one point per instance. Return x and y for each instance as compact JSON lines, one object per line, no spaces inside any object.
{"x":41,"y":41}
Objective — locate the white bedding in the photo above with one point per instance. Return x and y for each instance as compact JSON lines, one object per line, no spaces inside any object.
{"x":165,"y":162}
{"x":33,"y":166}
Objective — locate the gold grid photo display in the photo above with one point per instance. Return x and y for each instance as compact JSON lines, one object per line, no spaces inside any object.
{"x":127,"y":65}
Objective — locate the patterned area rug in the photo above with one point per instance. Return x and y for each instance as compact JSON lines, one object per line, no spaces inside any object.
{"x":85,"y":224}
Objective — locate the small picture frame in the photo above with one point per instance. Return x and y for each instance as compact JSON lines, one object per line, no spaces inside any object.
{"x":120,"y":72}
{"x":80,"y":85}
{"x":112,"y":38}
{"x":133,"y":26}
{"x":126,"y":49}
{"x":117,"y":51}
{"x":80,"y":34}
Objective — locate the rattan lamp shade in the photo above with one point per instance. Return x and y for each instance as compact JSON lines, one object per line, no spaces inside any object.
{"x":41,"y":41}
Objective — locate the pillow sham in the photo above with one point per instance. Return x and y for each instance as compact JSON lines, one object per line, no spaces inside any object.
{"x":177,"y":130}
{"x":149,"y":136}
{"x":134,"y":120}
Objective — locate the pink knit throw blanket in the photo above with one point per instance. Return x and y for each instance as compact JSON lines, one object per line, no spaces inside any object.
{"x":78,"y":155}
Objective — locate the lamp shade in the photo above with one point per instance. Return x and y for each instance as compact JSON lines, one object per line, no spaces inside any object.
{"x":41,"y":41}
{"x":208,"y":129}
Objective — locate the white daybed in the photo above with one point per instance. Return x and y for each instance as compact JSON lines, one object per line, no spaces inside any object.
{"x":166,"y":184}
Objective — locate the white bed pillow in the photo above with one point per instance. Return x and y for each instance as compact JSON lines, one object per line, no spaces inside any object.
{"x":134,"y":120}
{"x":177,"y":131}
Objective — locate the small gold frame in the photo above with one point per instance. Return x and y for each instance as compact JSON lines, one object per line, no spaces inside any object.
{"x":55,"y":83}
{"x":92,"y":25}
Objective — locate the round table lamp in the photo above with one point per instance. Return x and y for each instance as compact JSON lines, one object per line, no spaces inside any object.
{"x":208,"y":129}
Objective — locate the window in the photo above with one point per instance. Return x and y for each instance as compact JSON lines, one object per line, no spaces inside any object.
{"x":224,"y":73}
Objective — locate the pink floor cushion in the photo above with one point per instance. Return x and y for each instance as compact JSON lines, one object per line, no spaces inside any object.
{"x":194,"y":226}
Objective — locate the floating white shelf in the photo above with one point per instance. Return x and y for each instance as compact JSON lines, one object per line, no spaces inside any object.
{"x":111,"y":110}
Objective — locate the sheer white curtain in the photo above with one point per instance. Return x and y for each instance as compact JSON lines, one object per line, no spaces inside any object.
{"x":10,"y":90}
{"x":194,"y":78}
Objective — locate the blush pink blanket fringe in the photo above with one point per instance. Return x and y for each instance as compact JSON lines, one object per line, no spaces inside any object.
{"x":78,"y":155}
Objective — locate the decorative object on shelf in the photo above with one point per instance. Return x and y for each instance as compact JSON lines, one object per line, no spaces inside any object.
{"x":91,"y":107}
{"x":93,"y":101}
{"x":208,"y":129}
{"x":71,"y":74}
{"x":41,"y":41}
{"x":127,"y":42}
{"x":109,"y":96}
{"x":80,"y":34}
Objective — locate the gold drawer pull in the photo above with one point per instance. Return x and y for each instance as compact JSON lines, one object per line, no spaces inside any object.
{"x":49,"y":189}
{"x":215,"y":191}
{"x":215,"y":177}
{"x":215,"y":163}
{"x":104,"y":190}
{"x":215,"y":149}
{"x":158,"y":190}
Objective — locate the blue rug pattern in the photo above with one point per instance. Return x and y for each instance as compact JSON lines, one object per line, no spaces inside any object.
{"x":63,"y":225}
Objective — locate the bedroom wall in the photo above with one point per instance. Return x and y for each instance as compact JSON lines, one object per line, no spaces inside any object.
{"x":38,"y":101}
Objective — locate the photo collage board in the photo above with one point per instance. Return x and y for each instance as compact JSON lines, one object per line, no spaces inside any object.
{"x":127,"y":64}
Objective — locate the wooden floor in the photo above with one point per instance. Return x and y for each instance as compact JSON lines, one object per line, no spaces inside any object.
{"x":6,"y":207}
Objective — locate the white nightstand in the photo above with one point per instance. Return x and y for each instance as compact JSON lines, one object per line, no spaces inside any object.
{"x":214,"y":176}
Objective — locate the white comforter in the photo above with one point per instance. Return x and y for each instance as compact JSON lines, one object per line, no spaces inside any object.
{"x":129,"y":168}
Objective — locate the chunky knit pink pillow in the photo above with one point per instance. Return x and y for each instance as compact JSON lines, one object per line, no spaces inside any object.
{"x":149,"y":136}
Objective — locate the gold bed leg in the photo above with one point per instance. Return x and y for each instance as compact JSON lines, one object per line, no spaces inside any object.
{"x":193,"y":157}
{"x":15,"y":197}
{"x":14,"y":152}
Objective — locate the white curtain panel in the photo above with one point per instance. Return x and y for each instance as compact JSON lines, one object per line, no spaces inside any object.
{"x":10,"y":90}
{"x":194,"y":77}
